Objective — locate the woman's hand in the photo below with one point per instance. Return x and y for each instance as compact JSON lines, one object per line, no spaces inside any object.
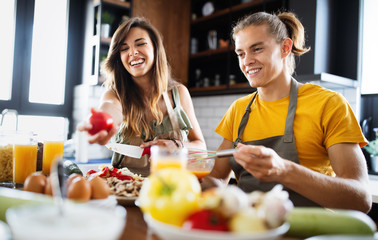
{"x":110,"y":105}
{"x":102,"y":137}
{"x":263,"y":163}
{"x":168,"y":143}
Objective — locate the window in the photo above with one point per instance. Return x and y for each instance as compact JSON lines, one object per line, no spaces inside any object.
{"x":40,"y":125}
{"x":369,"y":78}
{"x":35,"y":76}
{"x":49,"y":47}
{"x":7,"y":17}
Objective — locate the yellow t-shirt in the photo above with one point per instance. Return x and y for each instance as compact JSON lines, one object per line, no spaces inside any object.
{"x":322,"y":119}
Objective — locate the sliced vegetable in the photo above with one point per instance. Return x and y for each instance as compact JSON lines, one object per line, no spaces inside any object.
{"x":115,"y":172}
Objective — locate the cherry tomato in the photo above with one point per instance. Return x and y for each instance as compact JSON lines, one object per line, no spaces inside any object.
{"x":206,"y":219}
{"x":100,"y":121}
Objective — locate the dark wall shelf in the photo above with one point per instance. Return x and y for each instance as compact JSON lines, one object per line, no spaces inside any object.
{"x":99,"y":36}
{"x":221,"y":90}
{"x":115,"y":3}
{"x":210,"y":52}
{"x":219,"y":60}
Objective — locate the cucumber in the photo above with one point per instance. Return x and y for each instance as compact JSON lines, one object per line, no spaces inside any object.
{"x":311,"y":221}
{"x":71,"y":167}
{"x":13,"y":197}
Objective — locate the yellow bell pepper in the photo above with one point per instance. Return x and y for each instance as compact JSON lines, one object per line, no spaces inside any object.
{"x":170,"y":195}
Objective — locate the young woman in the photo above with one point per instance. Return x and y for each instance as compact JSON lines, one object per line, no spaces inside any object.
{"x":147,"y":105}
{"x":302,"y":136}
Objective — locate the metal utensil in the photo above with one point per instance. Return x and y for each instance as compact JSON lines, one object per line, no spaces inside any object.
{"x":226,"y":152}
{"x":127,"y":150}
{"x":57,"y":183}
{"x":199,"y":154}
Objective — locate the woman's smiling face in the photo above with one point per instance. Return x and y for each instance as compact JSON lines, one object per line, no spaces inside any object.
{"x":137,"y":53}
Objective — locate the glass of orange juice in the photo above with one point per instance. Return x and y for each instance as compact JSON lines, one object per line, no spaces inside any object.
{"x":162,"y":157}
{"x":24,"y":157}
{"x":52,"y":148}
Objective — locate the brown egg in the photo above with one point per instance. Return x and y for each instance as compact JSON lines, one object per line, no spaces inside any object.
{"x":79,"y":189}
{"x":100,"y":189}
{"x":48,"y":188}
{"x":35,"y":182}
{"x":71,"y":177}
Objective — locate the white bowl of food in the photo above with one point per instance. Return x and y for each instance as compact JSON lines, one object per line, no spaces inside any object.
{"x":171,"y":232}
{"x":79,"y":221}
{"x":4,"y":231}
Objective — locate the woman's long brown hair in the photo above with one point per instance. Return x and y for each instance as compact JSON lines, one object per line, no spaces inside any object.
{"x":127,"y":91}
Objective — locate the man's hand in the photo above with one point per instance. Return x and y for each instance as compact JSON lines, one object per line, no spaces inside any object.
{"x":263,"y":163}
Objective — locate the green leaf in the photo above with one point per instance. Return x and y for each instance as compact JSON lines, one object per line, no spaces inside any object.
{"x":372,"y":147}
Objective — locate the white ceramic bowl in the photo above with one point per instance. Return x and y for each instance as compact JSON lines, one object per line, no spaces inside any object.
{"x":4,"y":231}
{"x":80,"y":221}
{"x":171,"y":232}
{"x":108,"y":203}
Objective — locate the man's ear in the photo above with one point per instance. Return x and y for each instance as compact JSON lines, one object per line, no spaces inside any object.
{"x":286,"y":47}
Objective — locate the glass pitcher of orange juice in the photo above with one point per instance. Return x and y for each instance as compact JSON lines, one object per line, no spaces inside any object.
{"x":162,"y":157}
{"x":24,"y":156}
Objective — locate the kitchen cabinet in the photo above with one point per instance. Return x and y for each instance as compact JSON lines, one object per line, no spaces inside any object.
{"x":102,"y":19}
{"x":213,"y":65}
{"x":172,"y":20}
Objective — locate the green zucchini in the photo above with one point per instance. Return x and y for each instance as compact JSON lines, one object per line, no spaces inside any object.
{"x":306,"y":222}
{"x":70,"y":168}
{"x":13,"y":197}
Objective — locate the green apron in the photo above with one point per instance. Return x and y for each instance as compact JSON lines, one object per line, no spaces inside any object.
{"x":176,"y":125}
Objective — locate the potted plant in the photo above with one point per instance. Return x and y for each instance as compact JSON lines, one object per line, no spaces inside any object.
{"x":372,"y":149}
{"x":107,"y":20}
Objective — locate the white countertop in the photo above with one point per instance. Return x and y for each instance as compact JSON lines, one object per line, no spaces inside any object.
{"x":374,"y":187}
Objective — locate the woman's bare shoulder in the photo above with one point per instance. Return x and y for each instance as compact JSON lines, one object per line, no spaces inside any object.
{"x":109,"y":94}
{"x":182,"y":89}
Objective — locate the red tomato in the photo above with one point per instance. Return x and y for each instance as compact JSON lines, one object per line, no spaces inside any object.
{"x":206,"y":220}
{"x":100,"y":121}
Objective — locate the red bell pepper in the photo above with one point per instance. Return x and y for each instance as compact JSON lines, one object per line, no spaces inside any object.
{"x":206,"y":219}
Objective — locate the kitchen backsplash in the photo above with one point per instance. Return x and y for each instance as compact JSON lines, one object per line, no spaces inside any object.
{"x":210,"y":110}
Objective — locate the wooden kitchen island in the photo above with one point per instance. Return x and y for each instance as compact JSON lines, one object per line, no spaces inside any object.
{"x":136,"y":228}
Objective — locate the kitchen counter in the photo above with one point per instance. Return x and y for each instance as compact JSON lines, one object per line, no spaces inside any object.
{"x":374,"y":187}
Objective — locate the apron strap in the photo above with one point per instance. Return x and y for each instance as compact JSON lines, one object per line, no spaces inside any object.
{"x":171,"y":114}
{"x":289,"y":133}
{"x":244,"y":121}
